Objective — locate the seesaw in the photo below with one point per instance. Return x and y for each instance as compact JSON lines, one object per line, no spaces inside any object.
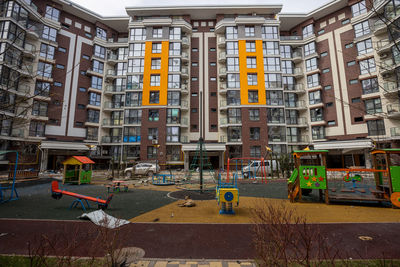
{"x":57,"y":193}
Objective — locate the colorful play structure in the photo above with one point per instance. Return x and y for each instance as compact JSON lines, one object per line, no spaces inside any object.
{"x":163,"y":179}
{"x":7,"y":187}
{"x":227,"y":193}
{"x":310,"y":173}
{"x":77,"y":169}
{"x":57,"y":193}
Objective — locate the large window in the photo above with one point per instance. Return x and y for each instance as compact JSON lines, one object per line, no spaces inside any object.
{"x":133,"y":99}
{"x":52,"y":13}
{"x":234,"y":115}
{"x":94,"y":99}
{"x":373,"y":106}
{"x":234,"y":134}
{"x":253,"y":96}
{"x":274,"y":98}
{"x":272,"y":64}
{"x":361,"y":29}
{"x":155,"y":80}
{"x":42,"y":88}
{"x":97,"y":82}
{"x":121,"y":68}
{"x":92,"y":133}
{"x":269,"y":32}
{"x":138,"y":34}
{"x":313,"y":80}
{"x":37,"y":128}
{"x":315,"y":97}
{"x":101,"y":33}
{"x":12,"y":32}
{"x":275,"y":115}
{"x":137,"y":49}
{"x":288,"y":83}
{"x":135,"y":82}
{"x":99,"y":51}
{"x":231,"y":33}
{"x":255,"y":151}
{"x":287,"y":66}
{"x":154,"y":97}
{"x":308,"y":30}
{"x":174,"y":49}
{"x":133,"y":116}
{"x":151,"y":152}
{"x":39,"y":108}
{"x":251,"y":62}
{"x":250,"y":46}
{"x":273,"y":80}
{"x":252,"y":78}
{"x":93,"y":116}
{"x":174,"y":81}
{"x":254,"y":114}
{"x":286,"y":51}
{"x":233,"y":80}
{"x":311,"y":64}
{"x":172,"y":134}
{"x":271,"y":48}
{"x":156,"y":48}
{"x":156,"y":63}
{"x":359,"y":8}
{"x":136,"y":65}
{"x":173,"y":98}
{"x":152,"y":133}
{"x":174,"y":64}
{"x":254,"y":133}
{"x":232,"y":48}
{"x":47,"y":51}
{"x":97,"y":66}
{"x":173,"y":115}
{"x":309,"y":49}
{"x":123,"y":53}
{"x":318,"y":132}
{"x":233,"y":97}
{"x":367,"y":66}
{"x":14,"y":10}
{"x":157,"y":32}
{"x":44,"y":69}
{"x":249,"y":31}
{"x":232,"y":64}
{"x":316,"y":114}
{"x":364,"y":47}
{"x":370,"y":86}
{"x":175,"y":33}
{"x":376,"y":127}
{"x":132,"y":134}
{"x":49,"y":33}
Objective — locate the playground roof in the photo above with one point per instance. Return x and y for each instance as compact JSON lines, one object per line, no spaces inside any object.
{"x":310,"y":151}
{"x":386,"y":150}
{"x":81,"y":159}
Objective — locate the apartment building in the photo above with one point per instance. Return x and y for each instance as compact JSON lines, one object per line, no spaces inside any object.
{"x":148,"y":85}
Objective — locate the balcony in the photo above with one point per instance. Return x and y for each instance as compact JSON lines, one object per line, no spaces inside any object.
{"x":91,"y":72}
{"x":27,"y":71}
{"x":222,"y":57}
{"x":184,"y":105}
{"x":185,"y":72}
{"x":296,"y":105}
{"x":184,"y":122}
{"x":222,"y":139}
{"x":383,"y":46}
{"x":112,"y":89}
{"x":23,"y":90}
{"x":297,"y":56}
{"x":108,"y":105}
{"x":34,"y":30}
{"x":379,"y":26}
{"x":295,"y":88}
{"x":110,"y":139}
{"x":386,"y":66}
{"x":29,"y":50}
{"x":221,"y":42}
{"x":185,"y":42}
{"x":222,"y":88}
{"x":395,"y":132}
{"x":293,"y":40}
{"x":390,"y":89}
{"x":225,"y":122}
{"x":298,"y":72}
{"x":305,"y":139}
{"x":393,"y":110}
{"x":185,"y":57}
{"x":132,"y":139}
{"x":297,"y":122}
{"x":184,"y":139}
{"x":112,"y":58}
{"x":184,"y":89}
{"x":222,"y":72}
{"x":112,"y":123}
{"x":276,"y":138}
{"x":111,"y":75}
{"x":18,"y":133}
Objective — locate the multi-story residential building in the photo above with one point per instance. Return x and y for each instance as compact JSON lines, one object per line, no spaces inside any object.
{"x":148,"y":85}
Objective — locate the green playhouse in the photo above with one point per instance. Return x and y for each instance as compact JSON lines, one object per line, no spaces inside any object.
{"x":78,"y":169}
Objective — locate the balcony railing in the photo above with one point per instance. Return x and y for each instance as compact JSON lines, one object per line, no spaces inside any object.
{"x":382,"y":44}
{"x":222,"y":56}
{"x":390,"y":87}
{"x":296,"y":121}
{"x":114,"y":88}
{"x":293,"y":37}
{"x":185,"y":41}
{"x":395,"y":132}
{"x":393,"y":109}
{"x":110,"y":122}
{"x":295,"y":104}
{"x":112,"y":105}
{"x":297,"y":138}
{"x":112,"y":56}
{"x":111,"y":139}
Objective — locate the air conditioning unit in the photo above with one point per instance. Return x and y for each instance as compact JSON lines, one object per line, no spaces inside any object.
{"x":154,"y":141}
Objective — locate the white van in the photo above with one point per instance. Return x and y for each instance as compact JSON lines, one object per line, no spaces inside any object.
{"x":256,"y":168}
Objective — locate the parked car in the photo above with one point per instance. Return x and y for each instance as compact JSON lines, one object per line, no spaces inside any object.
{"x":142,"y":169}
{"x":255,"y":168}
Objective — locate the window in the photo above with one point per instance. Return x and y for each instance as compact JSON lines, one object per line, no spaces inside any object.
{"x":136,"y":65}
{"x":251,"y":62}
{"x":273,"y":80}
{"x":373,"y":106}
{"x":174,"y":64}
{"x":132,"y":134}
{"x":313,"y":80}
{"x":314,"y":97}
{"x":232,"y":64}
{"x":322,"y":31}
{"x":233,"y":97}
{"x":250,"y":46}
{"x":99,"y":51}
{"x":367,"y":66}
{"x":47,"y":51}
{"x":351,"y":63}
{"x":234,"y":115}
{"x":14,"y":10}
{"x":156,"y":63}
{"x":350,"y":45}
{"x":86,"y":57}
{"x":345,"y":21}
{"x":318,"y":132}
{"x":98,"y":66}
{"x":173,"y":99}
{"x":174,"y":33}
{"x":361,"y":29}
{"x":49,"y":33}
{"x":329,"y":104}
{"x":255,"y":151}
{"x":364,"y":47}
{"x":272,"y":64}
{"x":231,"y":33}
{"x":311,"y":64}
{"x":93,"y":116}
{"x":154,"y":97}
{"x":151,"y":152}
{"x":328,"y":87}
{"x":252,"y":78}
{"x":316,"y":114}
{"x":138,"y":34}
{"x":309,"y":49}
{"x":288,"y":83}
{"x":232,"y":48}
{"x":234,"y":134}
{"x":269,"y":32}
{"x":44,"y":69}
{"x":59,"y":66}
{"x":92,"y":133}
{"x":174,"y":49}
{"x":137,"y":50}
{"x":274,"y":98}
{"x":174,"y":81}
{"x":286,"y":51}
{"x":39,"y":108}
{"x":370,"y":86}
{"x":62,"y":49}
{"x":94,"y":99}
{"x":233,"y":80}
{"x":355,"y":100}
{"x":135,"y":82}
{"x":308,"y":30}
{"x":291,"y":100}
{"x":133,"y":99}
{"x":271,"y":48}
{"x":154,"y":115}
{"x":249,"y":31}
{"x":287,"y":66}
{"x":152,"y":134}
{"x":253,"y":96}
{"x":376,"y":127}
{"x":101,"y":33}
{"x":97,"y":82}
{"x":82,"y":89}
{"x":355,"y":81}
{"x":359,"y":8}
{"x":37,"y":128}
{"x":157,"y":33}
{"x":196,"y":64}
{"x":275,"y":115}
{"x":193,"y":110}
{"x":254,"y":133}
{"x":81,"y":106}
{"x":58,"y":84}
{"x":173,"y":115}
{"x":173,"y":134}
{"x":14,"y":33}
{"x":235,"y":151}
{"x":133,"y":116}
{"x":325,"y":70}
{"x":122,"y":53}
{"x":156,"y":48}
{"x":358,"y":119}
{"x":42,"y":88}
{"x":254,"y":114}
{"x":155,"y":80}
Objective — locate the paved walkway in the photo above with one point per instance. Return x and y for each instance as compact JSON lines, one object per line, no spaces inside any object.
{"x":192,"y":263}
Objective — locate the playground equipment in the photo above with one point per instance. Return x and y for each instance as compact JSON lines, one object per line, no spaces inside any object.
{"x":227,"y":193}
{"x":249,"y":168}
{"x":13,"y":193}
{"x":308,"y":177}
{"x":57,"y":193}
{"x":163,"y":179}
{"x":81,"y":171}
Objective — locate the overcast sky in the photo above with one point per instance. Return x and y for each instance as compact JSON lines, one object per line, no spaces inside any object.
{"x":117,"y":7}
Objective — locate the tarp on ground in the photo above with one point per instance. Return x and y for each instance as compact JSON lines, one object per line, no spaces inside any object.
{"x":101,"y":218}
